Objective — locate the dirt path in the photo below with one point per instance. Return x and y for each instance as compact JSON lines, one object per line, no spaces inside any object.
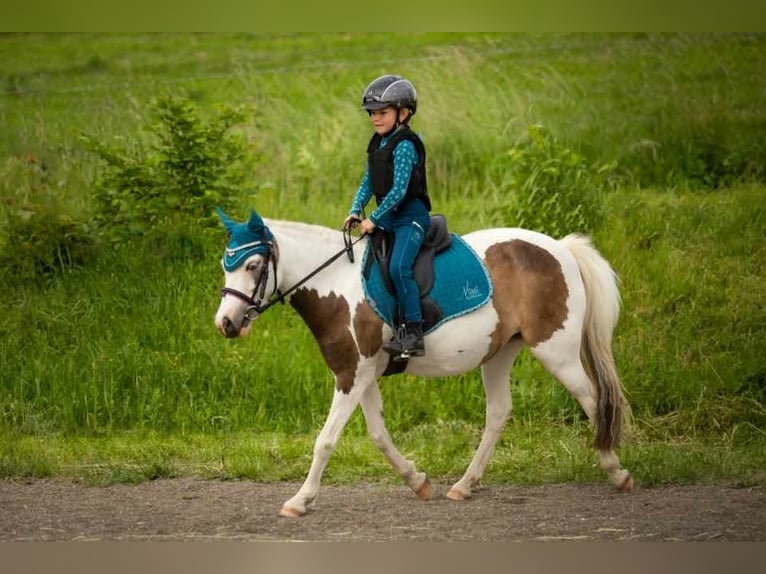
{"x":188,"y":509}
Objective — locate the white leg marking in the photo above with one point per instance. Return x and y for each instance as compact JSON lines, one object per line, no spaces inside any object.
{"x":372,"y":406}
{"x":342,"y":407}
{"x":497,"y":387}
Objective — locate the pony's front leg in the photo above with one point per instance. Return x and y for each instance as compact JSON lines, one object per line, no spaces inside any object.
{"x":372,"y":405}
{"x":343,"y":405}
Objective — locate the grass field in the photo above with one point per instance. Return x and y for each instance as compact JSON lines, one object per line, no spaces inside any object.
{"x":111,"y":370}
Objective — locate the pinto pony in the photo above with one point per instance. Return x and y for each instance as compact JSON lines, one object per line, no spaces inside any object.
{"x":557,"y":297}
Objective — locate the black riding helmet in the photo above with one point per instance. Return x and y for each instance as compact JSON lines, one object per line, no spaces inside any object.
{"x":390,"y":90}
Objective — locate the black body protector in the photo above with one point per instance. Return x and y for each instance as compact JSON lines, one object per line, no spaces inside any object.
{"x":381,"y":165}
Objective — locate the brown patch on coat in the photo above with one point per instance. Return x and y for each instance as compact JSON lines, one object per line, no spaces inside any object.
{"x":529,"y":293}
{"x":368,"y":328}
{"x":328,"y":318}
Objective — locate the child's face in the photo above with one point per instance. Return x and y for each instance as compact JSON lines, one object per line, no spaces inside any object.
{"x":384,"y":120}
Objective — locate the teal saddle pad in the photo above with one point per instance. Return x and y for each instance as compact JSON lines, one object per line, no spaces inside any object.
{"x":461,"y":285}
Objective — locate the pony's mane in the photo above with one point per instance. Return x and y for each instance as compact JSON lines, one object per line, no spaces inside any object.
{"x":299,"y":229}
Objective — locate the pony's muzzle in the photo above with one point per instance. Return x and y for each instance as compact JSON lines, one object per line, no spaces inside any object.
{"x":227,"y":328}
{"x":231,"y":330}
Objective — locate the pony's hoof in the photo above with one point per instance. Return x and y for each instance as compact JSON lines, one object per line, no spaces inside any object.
{"x":627,"y":484}
{"x":424,"y":492}
{"x":289,"y":512}
{"x":456,"y":494}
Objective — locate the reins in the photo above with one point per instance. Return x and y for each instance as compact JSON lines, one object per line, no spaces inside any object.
{"x":255,"y":304}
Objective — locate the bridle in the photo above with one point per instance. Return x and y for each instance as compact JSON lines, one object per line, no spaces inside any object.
{"x":255,"y":305}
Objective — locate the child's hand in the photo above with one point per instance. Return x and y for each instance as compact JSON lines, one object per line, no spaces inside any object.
{"x":351,"y":222}
{"x":367,"y":227}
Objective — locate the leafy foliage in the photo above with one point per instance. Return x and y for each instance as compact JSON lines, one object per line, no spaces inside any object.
{"x":553,"y":188}
{"x":171,"y":188}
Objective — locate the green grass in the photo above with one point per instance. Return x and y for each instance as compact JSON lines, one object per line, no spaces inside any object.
{"x":693,"y":288}
{"x":527,"y":453}
{"x":112,"y":370}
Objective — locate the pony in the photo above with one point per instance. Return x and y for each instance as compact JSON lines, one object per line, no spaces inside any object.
{"x":560,"y":298}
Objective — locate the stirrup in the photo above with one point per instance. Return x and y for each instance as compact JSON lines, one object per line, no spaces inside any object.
{"x":407,"y":354}
{"x":394,"y":346}
{"x":412,"y":342}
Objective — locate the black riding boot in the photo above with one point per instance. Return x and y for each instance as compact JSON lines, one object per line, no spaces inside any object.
{"x":412,"y":343}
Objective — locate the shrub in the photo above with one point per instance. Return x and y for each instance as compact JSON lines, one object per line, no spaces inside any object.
{"x":169,"y":187}
{"x":552,"y":188}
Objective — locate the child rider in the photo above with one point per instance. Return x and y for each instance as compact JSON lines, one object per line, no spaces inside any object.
{"x":396,"y":176}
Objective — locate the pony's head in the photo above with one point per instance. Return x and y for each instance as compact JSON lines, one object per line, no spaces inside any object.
{"x":245,"y":263}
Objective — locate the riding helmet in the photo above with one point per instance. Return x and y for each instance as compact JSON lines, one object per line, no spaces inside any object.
{"x":390,"y":90}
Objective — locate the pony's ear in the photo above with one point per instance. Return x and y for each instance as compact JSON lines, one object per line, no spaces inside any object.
{"x":226,"y":220}
{"x":255,"y":223}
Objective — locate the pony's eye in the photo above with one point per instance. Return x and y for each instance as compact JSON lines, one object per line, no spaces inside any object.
{"x":252,"y":266}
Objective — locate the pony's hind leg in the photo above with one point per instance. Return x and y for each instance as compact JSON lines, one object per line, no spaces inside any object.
{"x":372,"y":406}
{"x":495,"y":375}
{"x":561,"y":356}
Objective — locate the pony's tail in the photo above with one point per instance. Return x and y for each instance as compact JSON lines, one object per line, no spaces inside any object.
{"x":602,"y":310}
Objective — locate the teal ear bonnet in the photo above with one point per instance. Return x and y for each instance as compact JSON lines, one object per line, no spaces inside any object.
{"x":245,"y":239}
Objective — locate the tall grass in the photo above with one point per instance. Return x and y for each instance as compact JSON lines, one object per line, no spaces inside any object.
{"x":119,"y":341}
{"x":693,"y":289}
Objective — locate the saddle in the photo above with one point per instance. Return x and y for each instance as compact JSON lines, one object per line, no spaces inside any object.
{"x":437,"y":239}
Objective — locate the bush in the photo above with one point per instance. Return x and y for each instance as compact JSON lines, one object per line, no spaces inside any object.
{"x":552,"y":188}
{"x":170,"y":189}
